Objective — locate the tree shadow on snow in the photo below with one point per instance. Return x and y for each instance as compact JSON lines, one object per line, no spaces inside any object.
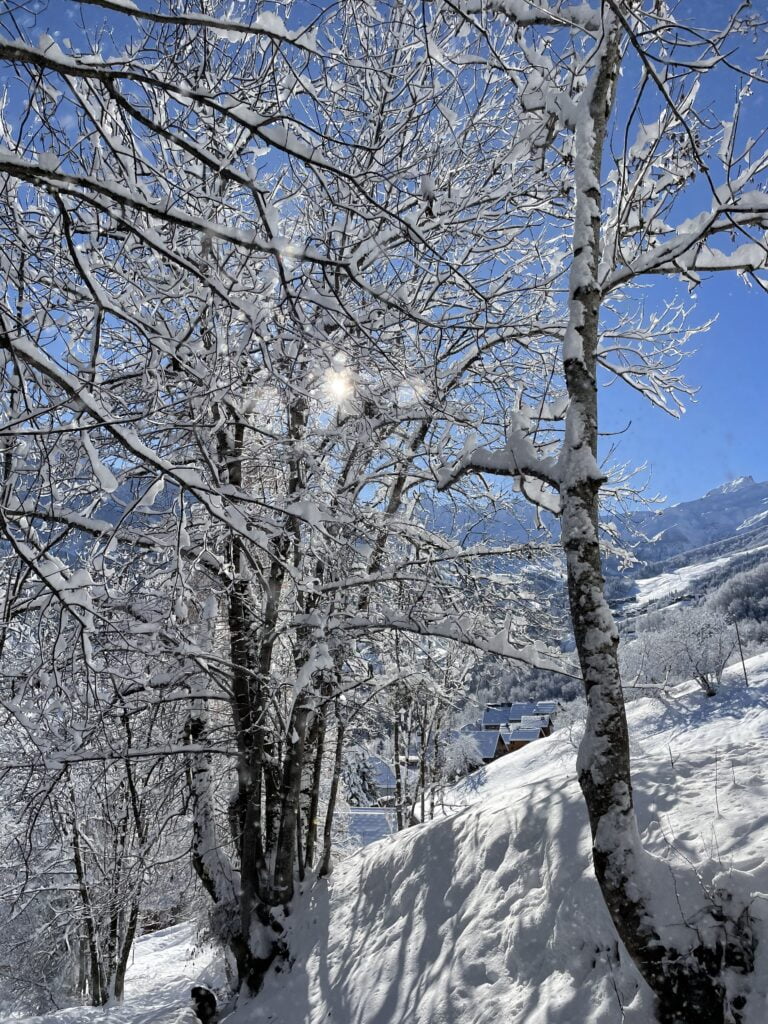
{"x":469,"y":910}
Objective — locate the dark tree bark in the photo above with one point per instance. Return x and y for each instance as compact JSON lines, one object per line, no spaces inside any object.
{"x":125,"y":951}
{"x":265,"y":817}
{"x":314,"y":796}
{"x":96,"y":980}
{"x":325,"y":862}
{"x":285,"y":858}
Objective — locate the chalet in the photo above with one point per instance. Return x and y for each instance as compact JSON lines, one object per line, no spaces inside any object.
{"x":509,"y":726}
{"x":514,"y":739}
{"x":495,"y":716}
{"x":505,"y":728}
{"x":490,"y":745}
{"x":542,"y":723}
{"x":522,"y":715}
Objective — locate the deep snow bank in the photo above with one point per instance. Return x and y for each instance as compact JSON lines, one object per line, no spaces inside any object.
{"x":492,"y":912}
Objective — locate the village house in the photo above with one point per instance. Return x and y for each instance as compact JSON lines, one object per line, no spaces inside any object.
{"x":510,"y":726}
{"x":520,"y":713}
{"x":505,"y":728}
{"x":490,"y":744}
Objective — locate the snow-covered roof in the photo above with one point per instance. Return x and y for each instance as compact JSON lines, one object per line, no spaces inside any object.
{"x":546,"y":707}
{"x":534,"y":721}
{"x":486,"y":742}
{"x":495,"y":716}
{"x":502,"y":714}
{"x":523,"y":735}
{"x":520,"y":708}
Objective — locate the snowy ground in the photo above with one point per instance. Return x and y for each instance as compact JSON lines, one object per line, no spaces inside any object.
{"x":654,"y":588}
{"x":166,"y":964}
{"x":492,"y":912}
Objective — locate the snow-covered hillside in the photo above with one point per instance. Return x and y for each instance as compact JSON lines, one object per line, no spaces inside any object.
{"x":682,"y":581}
{"x":492,"y":911}
{"x":687,"y":550}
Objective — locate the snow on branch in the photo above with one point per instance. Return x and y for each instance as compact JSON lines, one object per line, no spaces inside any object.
{"x":521,"y":459}
{"x":85,"y":187}
{"x":266,"y":23}
{"x":690,"y":251}
{"x":185,"y":476}
{"x":464,"y":629}
{"x":529,"y":13}
{"x":72,"y":587}
{"x":58,"y":758}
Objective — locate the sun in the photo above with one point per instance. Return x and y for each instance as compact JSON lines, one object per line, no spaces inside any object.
{"x":338,"y":385}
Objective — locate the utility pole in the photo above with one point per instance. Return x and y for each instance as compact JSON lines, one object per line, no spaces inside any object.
{"x":741,"y":652}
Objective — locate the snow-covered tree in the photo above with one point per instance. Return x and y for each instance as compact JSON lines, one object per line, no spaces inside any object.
{"x":692,"y":643}
{"x":658,"y":188}
{"x":247,"y":287}
{"x":262,"y":285}
{"x":98,"y":813}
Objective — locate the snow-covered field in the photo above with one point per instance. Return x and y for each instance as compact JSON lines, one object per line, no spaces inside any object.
{"x":679,"y":582}
{"x":492,"y":911}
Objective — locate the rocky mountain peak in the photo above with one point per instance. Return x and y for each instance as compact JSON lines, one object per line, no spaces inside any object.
{"x":732,"y":486}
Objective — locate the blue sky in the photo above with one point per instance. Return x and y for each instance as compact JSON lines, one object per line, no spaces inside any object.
{"x":724,"y":432}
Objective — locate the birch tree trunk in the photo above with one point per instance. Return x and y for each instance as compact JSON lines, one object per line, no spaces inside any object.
{"x":399,"y":782}
{"x":687,"y":983}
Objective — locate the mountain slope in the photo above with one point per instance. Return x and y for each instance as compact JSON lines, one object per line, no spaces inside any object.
{"x":687,"y":550}
{"x":492,"y":911}
{"x":688,"y":578}
{"x":737,"y":511}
